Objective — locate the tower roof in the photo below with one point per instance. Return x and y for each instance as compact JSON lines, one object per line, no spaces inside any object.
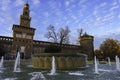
{"x":26,"y":5}
{"x":86,"y":35}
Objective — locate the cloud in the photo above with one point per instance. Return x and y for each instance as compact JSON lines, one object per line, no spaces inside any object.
{"x":73,"y":37}
{"x":82,"y":2}
{"x":52,"y":5}
{"x":46,"y":14}
{"x":119,"y":16}
{"x":103,"y":4}
{"x":114,"y":3}
{"x":103,"y":15}
{"x":18,"y":3}
{"x":118,"y":1}
{"x":108,"y":17}
{"x":114,"y":7}
{"x":36,"y":2}
{"x":98,"y":41}
{"x":67,"y":3}
{"x":4,"y":5}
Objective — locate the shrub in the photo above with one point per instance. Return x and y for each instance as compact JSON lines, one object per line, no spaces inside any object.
{"x":52,"y":49}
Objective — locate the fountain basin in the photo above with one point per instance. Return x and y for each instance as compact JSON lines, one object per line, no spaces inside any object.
{"x":63,"y":61}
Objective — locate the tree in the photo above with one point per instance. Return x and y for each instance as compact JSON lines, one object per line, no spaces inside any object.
{"x":51,"y":34}
{"x":98,"y":53}
{"x":64,"y":35}
{"x":110,"y":48}
{"x":61,"y":37}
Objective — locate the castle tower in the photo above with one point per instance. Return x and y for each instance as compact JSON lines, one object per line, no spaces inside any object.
{"x":86,"y":44}
{"x":25,"y":17}
{"x":23,"y":34}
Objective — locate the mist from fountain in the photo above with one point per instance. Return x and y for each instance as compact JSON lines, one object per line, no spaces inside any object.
{"x":117,"y":63}
{"x":53,"y":70}
{"x":77,"y":73}
{"x":109,"y":62}
{"x":96,"y":65}
{"x":1,"y":62}
{"x":17,"y":64}
{"x":86,"y":60}
{"x":37,"y":76}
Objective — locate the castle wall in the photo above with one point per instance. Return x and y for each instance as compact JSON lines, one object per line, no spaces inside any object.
{"x":6,"y":43}
{"x":38,"y":47}
{"x":62,"y":61}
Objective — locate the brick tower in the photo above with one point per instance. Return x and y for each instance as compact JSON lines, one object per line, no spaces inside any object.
{"x":86,"y":44}
{"x":23,"y":34}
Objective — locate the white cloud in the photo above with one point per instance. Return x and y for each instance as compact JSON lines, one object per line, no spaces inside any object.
{"x":73,"y":17}
{"x":114,"y":7}
{"x":32,"y":13}
{"x":95,"y":12}
{"x":18,"y":3}
{"x":118,"y":1}
{"x":52,"y":5}
{"x":108,"y":17}
{"x":99,"y":9}
{"x":103,"y":4}
{"x":100,"y":6}
{"x":119,"y":16}
{"x":46,"y":14}
{"x":36,"y":2}
{"x":4,"y":5}
{"x":114,"y":3}
{"x":67,"y":3}
{"x":82,"y":1}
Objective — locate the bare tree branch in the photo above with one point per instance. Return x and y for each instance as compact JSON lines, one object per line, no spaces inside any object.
{"x":61,"y":37}
{"x":51,"y":33}
{"x":64,"y":35}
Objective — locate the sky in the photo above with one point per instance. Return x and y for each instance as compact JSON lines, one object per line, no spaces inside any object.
{"x":99,"y":18}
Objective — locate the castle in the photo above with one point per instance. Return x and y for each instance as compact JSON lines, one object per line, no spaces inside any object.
{"x":23,"y":40}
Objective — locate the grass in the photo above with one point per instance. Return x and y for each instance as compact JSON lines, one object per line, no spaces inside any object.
{"x":103,"y":62}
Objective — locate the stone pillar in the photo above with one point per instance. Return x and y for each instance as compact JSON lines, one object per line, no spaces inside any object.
{"x":69,"y":63}
{"x":61,"y":63}
{"x":82,"y":62}
{"x":37,"y":62}
{"x":47,"y":62}
{"x":75,"y":60}
{"x":41,"y":62}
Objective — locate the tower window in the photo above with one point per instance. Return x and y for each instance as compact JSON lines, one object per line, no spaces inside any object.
{"x":26,"y":13}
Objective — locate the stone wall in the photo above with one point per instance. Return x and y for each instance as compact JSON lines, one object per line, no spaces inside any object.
{"x":69,"y":61}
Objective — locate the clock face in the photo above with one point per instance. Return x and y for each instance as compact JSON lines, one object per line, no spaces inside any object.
{"x":26,"y":23}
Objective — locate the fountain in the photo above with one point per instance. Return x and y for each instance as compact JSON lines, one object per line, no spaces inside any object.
{"x":53,"y":70}
{"x":1,"y":62}
{"x":76,"y":73}
{"x":109,"y":62}
{"x":17,"y":64}
{"x":84,"y":74}
{"x":117,"y":63}
{"x":37,"y":76}
{"x":96,"y":65}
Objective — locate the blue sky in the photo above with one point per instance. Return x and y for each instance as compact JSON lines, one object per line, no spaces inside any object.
{"x":100,"y":18}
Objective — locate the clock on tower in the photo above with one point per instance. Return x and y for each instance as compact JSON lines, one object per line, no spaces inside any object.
{"x":25,"y":18}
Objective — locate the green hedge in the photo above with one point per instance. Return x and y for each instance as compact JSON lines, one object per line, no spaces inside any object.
{"x":52,"y":49}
